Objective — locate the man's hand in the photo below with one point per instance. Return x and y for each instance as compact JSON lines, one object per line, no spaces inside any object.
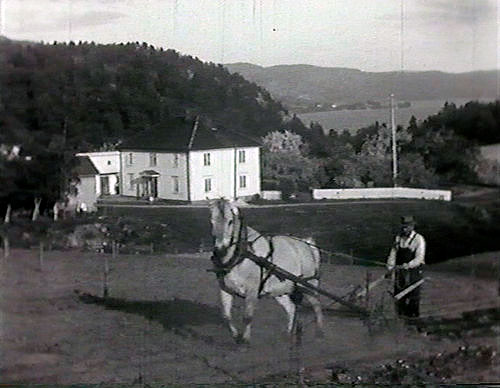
{"x":405,"y":266}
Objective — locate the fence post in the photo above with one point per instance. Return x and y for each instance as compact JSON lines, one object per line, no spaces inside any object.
{"x":40,"y":255}
{"x":6,"y":246}
{"x":473,"y":268}
{"x":498,"y":276}
{"x":105,"y":291}
{"x":367,"y":285}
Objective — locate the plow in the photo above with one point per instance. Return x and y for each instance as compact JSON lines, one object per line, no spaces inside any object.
{"x":346,"y":300}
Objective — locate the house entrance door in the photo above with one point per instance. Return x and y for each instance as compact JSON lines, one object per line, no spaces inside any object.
{"x":150,"y":187}
{"x":104,"y":185}
{"x":154,"y":187}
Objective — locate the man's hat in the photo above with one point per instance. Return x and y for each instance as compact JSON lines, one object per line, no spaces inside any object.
{"x":408,"y":220}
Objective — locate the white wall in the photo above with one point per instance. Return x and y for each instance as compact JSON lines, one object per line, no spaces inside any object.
{"x":381,"y":192}
{"x":164,"y":166}
{"x":220,"y":171}
{"x":106,"y":162}
{"x":87,"y":192}
{"x":251,"y":168}
{"x":167,"y":171}
{"x":224,"y":169}
{"x":271,"y":195}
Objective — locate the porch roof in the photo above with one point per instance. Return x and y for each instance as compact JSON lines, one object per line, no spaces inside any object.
{"x":149,"y":174}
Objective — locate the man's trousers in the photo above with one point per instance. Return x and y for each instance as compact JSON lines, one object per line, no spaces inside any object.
{"x":409,"y":305}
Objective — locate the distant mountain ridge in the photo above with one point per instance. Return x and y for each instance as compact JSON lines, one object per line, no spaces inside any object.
{"x":303,"y":86}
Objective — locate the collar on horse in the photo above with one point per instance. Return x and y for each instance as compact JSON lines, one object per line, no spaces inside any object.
{"x":241,"y":252}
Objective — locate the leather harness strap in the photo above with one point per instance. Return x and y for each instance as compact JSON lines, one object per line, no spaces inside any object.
{"x":242,"y":252}
{"x":220,"y":268}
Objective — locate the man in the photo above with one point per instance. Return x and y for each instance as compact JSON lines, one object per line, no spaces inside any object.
{"x":407,"y":257}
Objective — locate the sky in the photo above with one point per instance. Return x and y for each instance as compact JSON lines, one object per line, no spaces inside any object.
{"x":370,"y":35}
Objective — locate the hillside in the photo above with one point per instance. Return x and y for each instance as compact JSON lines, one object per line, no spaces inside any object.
{"x":59,"y":99}
{"x":301,"y":87}
{"x":89,"y":96}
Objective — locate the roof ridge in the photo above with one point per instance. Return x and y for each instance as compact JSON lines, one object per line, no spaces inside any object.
{"x":193,"y":133}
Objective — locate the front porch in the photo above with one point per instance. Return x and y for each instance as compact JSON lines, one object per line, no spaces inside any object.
{"x":147,"y":185}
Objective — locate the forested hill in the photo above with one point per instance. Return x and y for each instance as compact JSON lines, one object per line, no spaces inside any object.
{"x":303,"y":85}
{"x":87,"y":97}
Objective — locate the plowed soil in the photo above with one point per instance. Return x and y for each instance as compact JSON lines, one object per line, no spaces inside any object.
{"x":161,"y":324}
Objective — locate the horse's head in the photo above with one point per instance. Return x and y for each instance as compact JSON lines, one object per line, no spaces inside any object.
{"x":224,"y":217}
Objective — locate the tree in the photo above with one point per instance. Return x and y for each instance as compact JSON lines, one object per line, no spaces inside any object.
{"x":285,"y":163}
{"x":372,"y":165}
{"x":284,"y":141}
{"x":339,"y":159}
{"x":452,"y":157}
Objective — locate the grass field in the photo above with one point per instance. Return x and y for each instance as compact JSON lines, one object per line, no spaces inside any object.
{"x":363,"y":229}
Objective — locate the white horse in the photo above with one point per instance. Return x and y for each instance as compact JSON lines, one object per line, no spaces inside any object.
{"x":238,"y":275}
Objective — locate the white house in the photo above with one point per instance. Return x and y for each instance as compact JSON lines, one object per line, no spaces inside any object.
{"x":99,"y":174}
{"x":190,"y":162}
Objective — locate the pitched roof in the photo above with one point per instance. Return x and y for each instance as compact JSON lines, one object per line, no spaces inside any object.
{"x":106,"y":162}
{"x":177,"y":138}
{"x":85,"y":166}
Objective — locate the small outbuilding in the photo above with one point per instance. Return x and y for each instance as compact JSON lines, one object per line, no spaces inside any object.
{"x":98,"y":174}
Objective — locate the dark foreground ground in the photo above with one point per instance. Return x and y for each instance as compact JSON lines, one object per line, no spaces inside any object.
{"x":161,"y":324}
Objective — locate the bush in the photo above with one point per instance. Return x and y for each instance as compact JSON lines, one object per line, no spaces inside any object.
{"x":270,"y":184}
{"x":287,"y":186}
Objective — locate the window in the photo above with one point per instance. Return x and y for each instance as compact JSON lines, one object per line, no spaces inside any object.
{"x":175,"y":184}
{"x":206,"y":159}
{"x":152,"y":159}
{"x":109,"y":162}
{"x":130,"y":181}
{"x":208,"y":185}
{"x":241,"y":156}
{"x":130,"y":158}
{"x":176,"y":160}
{"x":243,"y":181}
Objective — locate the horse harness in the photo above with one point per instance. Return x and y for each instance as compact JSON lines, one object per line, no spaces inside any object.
{"x":242,"y":252}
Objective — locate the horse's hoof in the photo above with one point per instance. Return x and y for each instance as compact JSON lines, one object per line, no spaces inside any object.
{"x":240,"y":340}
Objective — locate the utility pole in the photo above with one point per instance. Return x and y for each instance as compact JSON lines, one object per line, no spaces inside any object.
{"x":394,"y":145}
